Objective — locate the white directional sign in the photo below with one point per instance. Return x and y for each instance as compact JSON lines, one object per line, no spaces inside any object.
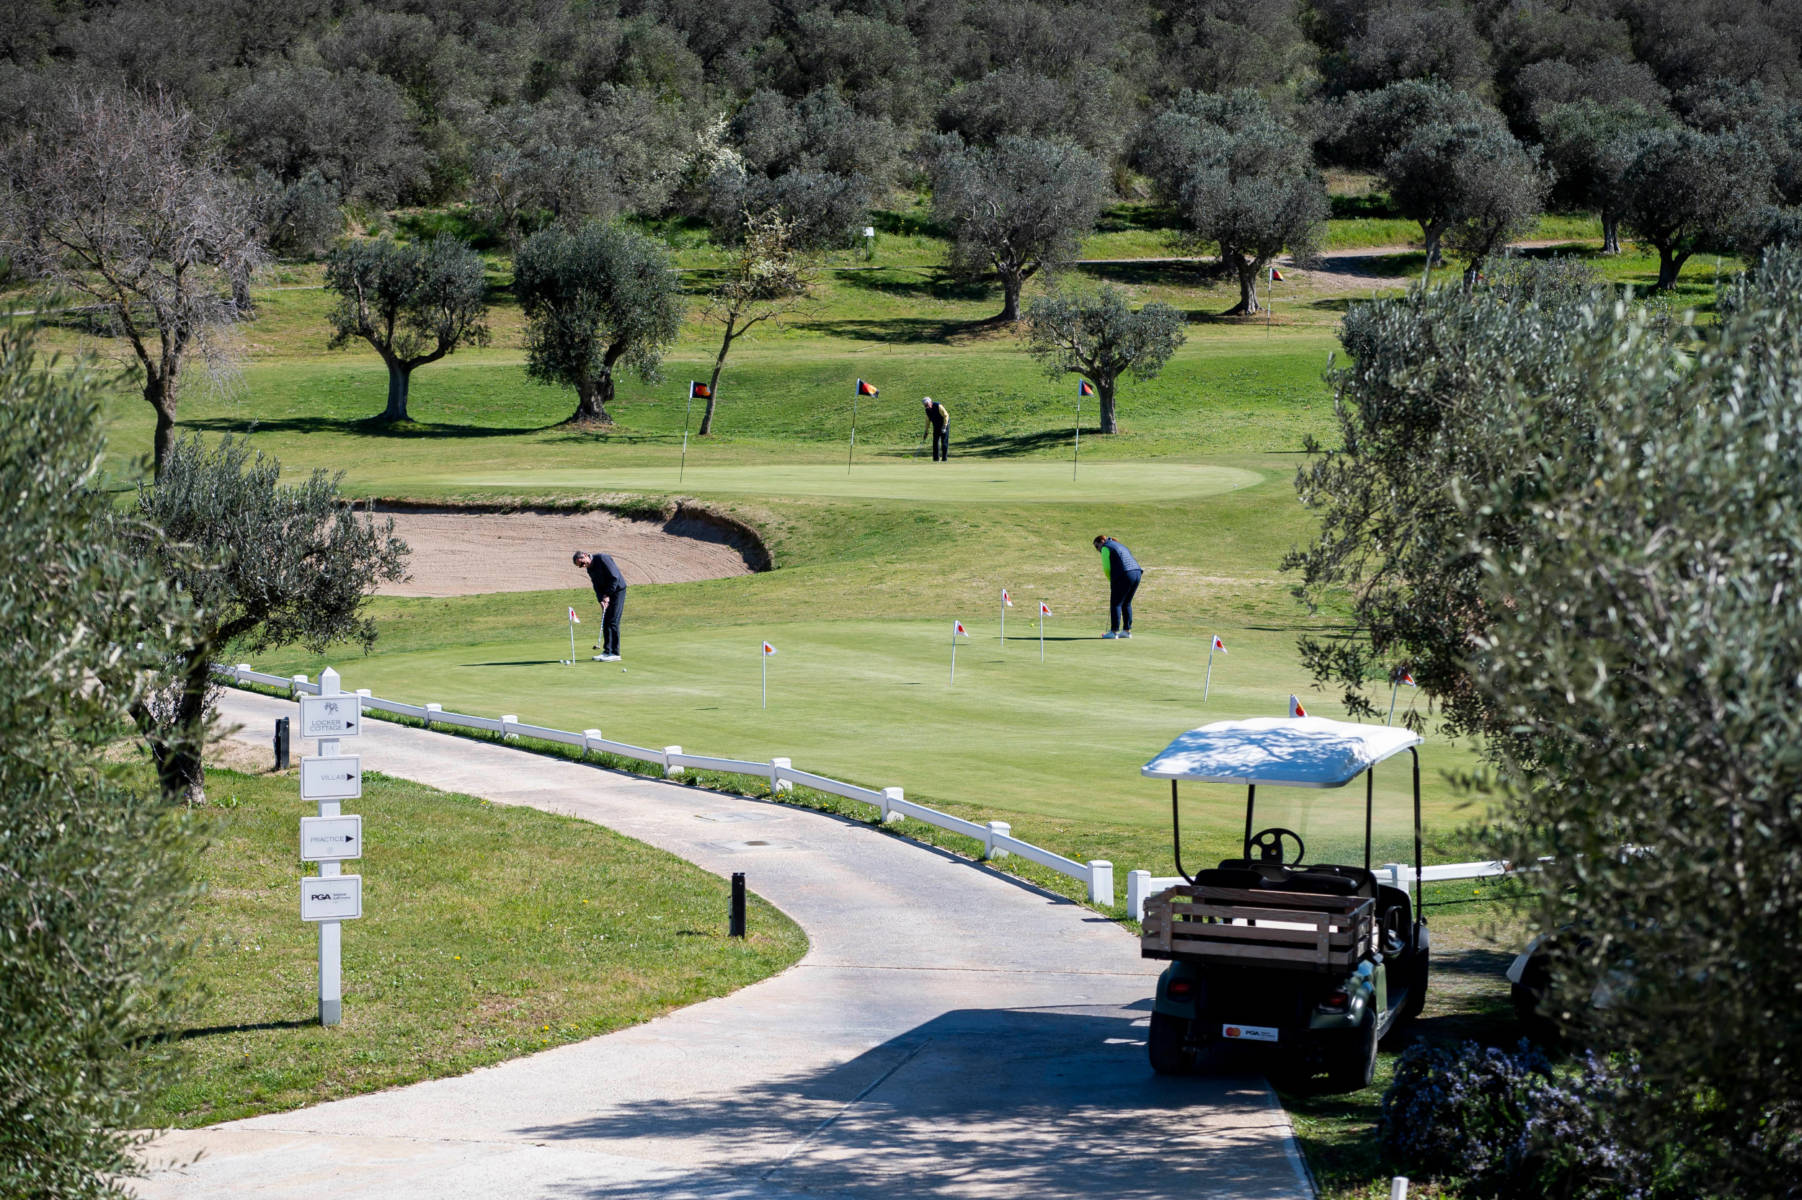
{"x":333,"y":777}
{"x":329,"y":839}
{"x":337,"y":898}
{"x":330,"y":716}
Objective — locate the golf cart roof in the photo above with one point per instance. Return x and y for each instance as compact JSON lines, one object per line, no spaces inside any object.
{"x":1287,"y":751}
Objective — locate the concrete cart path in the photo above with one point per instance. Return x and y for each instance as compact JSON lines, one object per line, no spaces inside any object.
{"x":951,"y":1032}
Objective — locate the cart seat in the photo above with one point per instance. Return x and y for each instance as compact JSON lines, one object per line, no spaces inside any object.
{"x":1318,"y":880}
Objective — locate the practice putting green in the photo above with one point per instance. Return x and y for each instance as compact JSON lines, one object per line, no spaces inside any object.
{"x":965,"y":481}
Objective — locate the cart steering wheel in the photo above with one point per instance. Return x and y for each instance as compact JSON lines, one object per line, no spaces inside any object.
{"x":1269,"y":845}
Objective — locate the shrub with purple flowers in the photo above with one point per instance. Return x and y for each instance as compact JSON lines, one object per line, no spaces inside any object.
{"x":1507,"y":1124}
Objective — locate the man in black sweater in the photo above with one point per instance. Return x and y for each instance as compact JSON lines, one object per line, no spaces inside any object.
{"x":610,"y":589}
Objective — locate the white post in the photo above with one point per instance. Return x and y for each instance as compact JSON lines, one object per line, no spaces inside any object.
{"x":670,"y":771}
{"x":764,"y":658}
{"x":429,"y":710}
{"x":954,"y":659}
{"x":295,"y":687}
{"x":1004,"y":618}
{"x":1076,"y":451}
{"x":509,"y":719}
{"x":996,"y":829}
{"x":1101,"y":883}
{"x":589,"y":735}
{"x":1398,"y":1188}
{"x":779,"y":785}
{"x":331,"y":982}
{"x":572,"y":636}
{"x":1138,"y":890}
{"x":889,"y":796}
{"x":363,"y":696}
{"x":1041,"y":631}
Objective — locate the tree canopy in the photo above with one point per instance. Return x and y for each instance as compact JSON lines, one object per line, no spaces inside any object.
{"x":596,"y":298}
{"x":414,"y":304}
{"x":1100,"y":338}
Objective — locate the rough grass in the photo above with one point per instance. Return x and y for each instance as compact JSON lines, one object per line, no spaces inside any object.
{"x":488,"y":932}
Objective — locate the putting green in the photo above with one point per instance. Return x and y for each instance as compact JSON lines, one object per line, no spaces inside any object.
{"x":1000,"y":480}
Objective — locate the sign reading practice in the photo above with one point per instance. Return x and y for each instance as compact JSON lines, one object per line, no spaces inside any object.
{"x":330,"y":716}
{"x":329,"y":839}
{"x":332,"y":777}
{"x":331,"y":898}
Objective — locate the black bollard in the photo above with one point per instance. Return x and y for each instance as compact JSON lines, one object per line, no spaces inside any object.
{"x":736,"y":921}
{"x":281,"y":743}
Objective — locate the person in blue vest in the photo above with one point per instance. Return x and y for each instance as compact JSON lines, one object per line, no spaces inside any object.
{"x":610,"y":589}
{"x":1123,"y":574}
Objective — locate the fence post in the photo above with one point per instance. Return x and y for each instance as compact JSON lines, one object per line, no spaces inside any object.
{"x":429,"y":710}
{"x":889,"y":796}
{"x":1138,"y":886}
{"x":363,"y":697}
{"x":996,"y":828}
{"x":239,"y":672}
{"x":670,"y":771}
{"x":509,"y":719}
{"x":779,"y":785}
{"x":294,"y":685}
{"x":1101,"y":883}
{"x":588,"y":736}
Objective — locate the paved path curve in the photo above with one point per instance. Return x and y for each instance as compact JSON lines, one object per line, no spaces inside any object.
{"x":951,"y":1032}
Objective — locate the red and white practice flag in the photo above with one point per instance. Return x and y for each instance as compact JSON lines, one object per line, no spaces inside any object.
{"x":1006,"y":599}
{"x":957,"y":627}
{"x":1044,"y":609}
{"x":1219,"y":645}
{"x":1295,"y":708}
{"x":768,"y":649}
{"x":1407,"y":677}
{"x":573,"y":616}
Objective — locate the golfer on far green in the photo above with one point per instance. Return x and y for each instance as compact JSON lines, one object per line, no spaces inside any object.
{"x":1123,"y":573}
{"x":610,"y":589}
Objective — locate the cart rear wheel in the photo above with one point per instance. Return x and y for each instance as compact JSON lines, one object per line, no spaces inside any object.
{"x":1354,"y":1064}
{"x":1168,"y":1045}
{"x":1417,"y":985}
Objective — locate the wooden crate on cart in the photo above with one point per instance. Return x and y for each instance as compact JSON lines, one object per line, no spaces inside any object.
{"x":1255,"y":927}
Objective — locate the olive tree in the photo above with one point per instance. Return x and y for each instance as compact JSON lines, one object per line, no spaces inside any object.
{"x":594,"y":298}
{"x":92,"y":883}
{"x":262,"y":564}
{"x":1445,"y":175}
{"x":1419,"y":424}
{"x":1644,"y":654}
{"x":1686,"y":191}
{"x":413,"y":304}
{"x":1100,"y":338}
{"x":767,"y":278}
{"x":1014,"y":208}
{"x":120,"y":199}
{"x":1243,"y":179}
{"x":1591,"y":145}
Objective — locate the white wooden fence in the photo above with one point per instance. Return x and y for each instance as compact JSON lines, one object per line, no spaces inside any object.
{"x":891,"y":803}
{"x":1142,"y":885}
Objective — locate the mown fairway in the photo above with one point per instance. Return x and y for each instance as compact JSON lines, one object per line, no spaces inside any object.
{"x":875,"y":561}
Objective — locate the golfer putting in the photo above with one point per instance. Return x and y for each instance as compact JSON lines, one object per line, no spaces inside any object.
{"x":1123,"y":574}
{"x":610,"y":589}
{"x":938,"y":426}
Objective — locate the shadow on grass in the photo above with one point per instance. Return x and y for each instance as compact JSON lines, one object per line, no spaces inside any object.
{"x":360,"y":426}
{"x":1387,"y":266}
{"x":917,"y":283}
{"x":523,"y":662}
{"x":183,"y":1035}
{"x":1161,"y":272}
{"x":907,"y":331}
{"x":997,"y":445}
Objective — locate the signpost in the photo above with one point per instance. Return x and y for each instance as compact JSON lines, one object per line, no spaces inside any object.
{"x":331,"y":837}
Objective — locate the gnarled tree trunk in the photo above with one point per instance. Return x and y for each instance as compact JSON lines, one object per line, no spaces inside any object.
{"x":400,"y":379}
{"x":1104,"y":394}
{"x":161,"y":396}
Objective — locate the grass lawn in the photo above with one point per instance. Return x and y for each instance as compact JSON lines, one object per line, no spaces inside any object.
{"x":577,"y":931}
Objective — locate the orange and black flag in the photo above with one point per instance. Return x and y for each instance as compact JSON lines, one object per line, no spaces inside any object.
{"x":1084,"y":388}
{"x":867,"y":389}
{"x":699,"y":391}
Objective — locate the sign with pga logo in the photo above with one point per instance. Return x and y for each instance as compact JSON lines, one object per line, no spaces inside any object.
{"x":330,"y":716}
{"x":333,"y":777}
{"x":330,"y":839}
{"x":331,"y":898}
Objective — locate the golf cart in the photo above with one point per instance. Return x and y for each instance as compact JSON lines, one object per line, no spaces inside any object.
{"x":1310,"y":962}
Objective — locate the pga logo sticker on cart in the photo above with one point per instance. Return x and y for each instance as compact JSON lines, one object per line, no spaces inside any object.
{"x":1248,"y":1033}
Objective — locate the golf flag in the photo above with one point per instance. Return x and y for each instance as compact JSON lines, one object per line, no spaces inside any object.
{"x":1276,"y":276}
{"x":1208,"y":680}
{"x":1395,"y":685}
{"x":1295,"y":708}
{"x":763,"y":670}
{"x":699,"y":391}
{"x":1219,"y":645}
{"x":1006,"y":599}
{"x":573,"y":616}
{"x":768,"y":649}
{"x":1084,"y":388}
{"x":957,"y":628}
{"x":1044,"y":609}
{"x":1407,"y":677}
{"x":867,"y":389}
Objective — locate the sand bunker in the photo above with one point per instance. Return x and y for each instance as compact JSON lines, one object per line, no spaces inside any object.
{"x":459,"y":552}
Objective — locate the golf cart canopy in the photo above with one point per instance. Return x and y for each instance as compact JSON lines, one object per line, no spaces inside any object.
{"x":1310,"y":752}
